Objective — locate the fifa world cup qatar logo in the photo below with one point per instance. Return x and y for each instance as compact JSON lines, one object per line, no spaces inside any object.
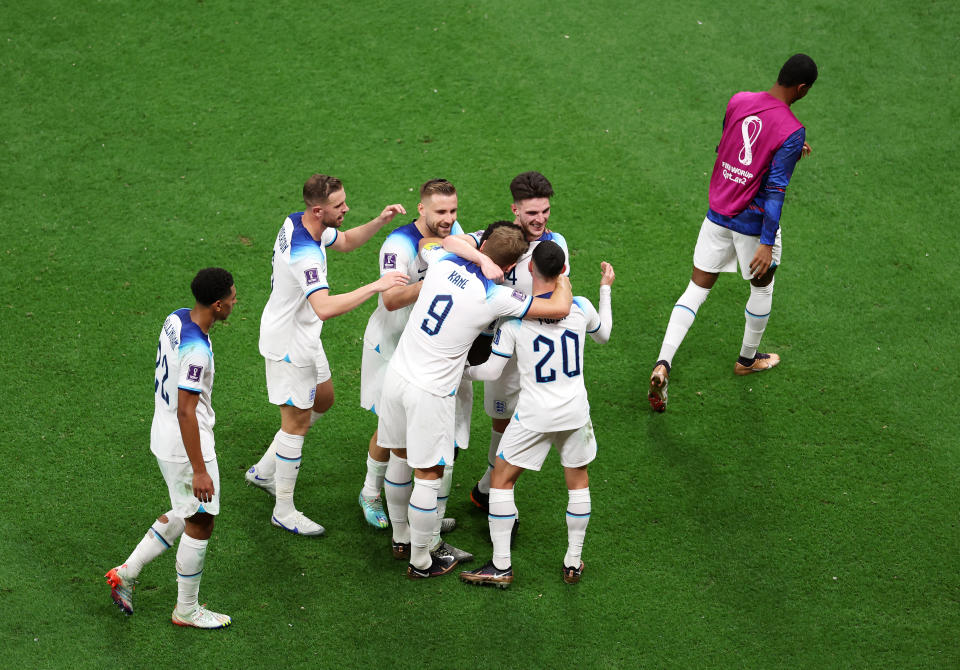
{"x":750,"y":129}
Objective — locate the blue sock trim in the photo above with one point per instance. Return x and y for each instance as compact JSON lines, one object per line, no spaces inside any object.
{"x":756,"y":316}
{"x":684,"y":307}
{"x":157,"y":535}
{"x":398,"y":485}
{"x":196,"y":574}
{"x":502,"y":516}
{"x":587,"y":515}
{"x":290,"y":460}
{"x":421,"y":509}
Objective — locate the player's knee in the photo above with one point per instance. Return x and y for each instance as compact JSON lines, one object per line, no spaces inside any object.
{"x":764,"y":280}
{"x":169,"y":527}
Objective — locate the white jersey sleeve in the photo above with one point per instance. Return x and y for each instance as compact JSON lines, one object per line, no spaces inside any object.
{"x":184,"y":361}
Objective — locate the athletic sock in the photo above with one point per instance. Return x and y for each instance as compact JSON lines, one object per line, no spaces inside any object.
{"x":422,"y":512}
{"x":315,"y":416}
{"x":289,"y":456}
{"x":376,"y":470}
{"x":502,"y":514}
{"x":446,"y":482}
{"x":484,"y":484}
{"x":578,"y":516}
{"x":190,"y":555}
{"x":158,"y":539}
{"x":397,"y":487}
{"x":756,"y":315}
{"x":684,"y":312}
{"x":267,"y":465}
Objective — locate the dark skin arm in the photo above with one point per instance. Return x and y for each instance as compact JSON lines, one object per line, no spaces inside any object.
{"x":190,"y":432}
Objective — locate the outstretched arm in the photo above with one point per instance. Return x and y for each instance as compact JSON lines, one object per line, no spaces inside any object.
{"x":328,"y":306}
{"x":463,"y":246}
{"x":348,"y":240}
{"x":602,"y":334}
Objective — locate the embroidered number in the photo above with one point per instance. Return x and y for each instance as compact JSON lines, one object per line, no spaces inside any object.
{"x":569,"y":351}
{"x":157,"y":382}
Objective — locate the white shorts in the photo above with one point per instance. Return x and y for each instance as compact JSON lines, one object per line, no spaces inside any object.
{"x":373,"y":369}
{"x":179,"y":478}
{"x":464,"y":412}
{"x":289,"y":384}
{"x":528,"y":449}
{"x":719,"y":249}
{"x":420,"y":422}
{"x":500,"y":395}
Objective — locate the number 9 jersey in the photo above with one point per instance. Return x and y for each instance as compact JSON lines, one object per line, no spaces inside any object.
{"x":456,"y":303}
{"x":184,"y":361}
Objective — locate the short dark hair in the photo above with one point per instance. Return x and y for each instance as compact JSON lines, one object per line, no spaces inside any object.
{"x":530,"y":185}
{"x":799,"y":69}
{"x":318,"y":188}
{"x":493,"y":226}
{"x":210,"y":285}
{"x":437,"y":187}
{"x":548,"y":258}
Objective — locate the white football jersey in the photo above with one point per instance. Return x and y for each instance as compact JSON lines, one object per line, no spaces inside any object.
{"x":400,"y":251}
{"x":520,"y":276}
{"x":456,"y":302}
{"x":549,"y":356}
{"x":289,"y":328}
{"x":184,"y":361}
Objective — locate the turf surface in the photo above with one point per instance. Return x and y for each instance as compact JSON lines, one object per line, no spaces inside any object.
{"x":805,"y":518}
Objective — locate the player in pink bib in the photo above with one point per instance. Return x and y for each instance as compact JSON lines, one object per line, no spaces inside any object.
{"x":761,"y":143}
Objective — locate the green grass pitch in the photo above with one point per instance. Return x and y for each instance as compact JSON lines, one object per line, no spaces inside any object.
{"x":805,"y":518}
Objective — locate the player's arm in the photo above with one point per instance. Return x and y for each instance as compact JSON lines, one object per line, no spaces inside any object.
{"x":190,"y":433}
{"x":600,"y":330}
{"x":401,"y":296}
{"x":556,"y":306}
{"x":465,"y":247}
{"x":778,"y":177}
{"x":328,"y":306}
{"x":488,"y":371}
{"x":348,"y":240}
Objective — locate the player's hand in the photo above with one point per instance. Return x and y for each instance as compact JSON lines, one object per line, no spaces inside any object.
{"x":390,"y":280}
{"x":805,"y":151}
{"x":762,"y":260}
{"x":202,"y":487}
{"x":491,"y":270}
{"x":607,"y":276}
{"x":390,"y":211}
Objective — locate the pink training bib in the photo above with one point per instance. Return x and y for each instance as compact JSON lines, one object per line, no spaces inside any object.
{"x":756,"y":125}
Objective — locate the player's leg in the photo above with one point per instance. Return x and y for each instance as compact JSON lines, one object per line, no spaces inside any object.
{"x":439,"y":546}
{"x":398,"y":485}
{"x":294,"y":424}
{"x":578,"y":448}
{"x":162,"y":535}
{"x":422,"y":515}
{"x":370,"y":501}
{"x":199,"y":519}
{"x":502,"y":514}
{"x":499,"y":402}
{"x":757,"y":312}
{"x":713,"y":254}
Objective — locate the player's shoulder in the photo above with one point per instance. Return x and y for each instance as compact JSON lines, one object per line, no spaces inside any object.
{"x":583,"y":304}
{"x":191,"y":336}
{"x":553,"y":236}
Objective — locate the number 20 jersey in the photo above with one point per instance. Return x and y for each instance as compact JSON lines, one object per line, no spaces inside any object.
{"x":184,"y":361}
{"x":550,"y":360}
{"x":456,"y":303}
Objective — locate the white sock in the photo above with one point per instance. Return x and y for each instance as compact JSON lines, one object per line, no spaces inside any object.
{"x":315,"y":416}
{"x":684,"y":312}
{"x":376,"y":470}
{"x":267,"y":465}
{"x":756,"y":315}
{"x":578,"y":516}
{"x":398,"y":485}
{"x":158,"y":539}
{"x":190,"y":555}
{"x":289,"y":456}
{"x":446,"y":483}
{"x":502,"y":514}
{"x":422,"y":512}
{"x":484,"y":483}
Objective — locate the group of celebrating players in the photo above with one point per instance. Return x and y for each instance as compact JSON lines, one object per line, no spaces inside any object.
{"x":494,"y":305}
